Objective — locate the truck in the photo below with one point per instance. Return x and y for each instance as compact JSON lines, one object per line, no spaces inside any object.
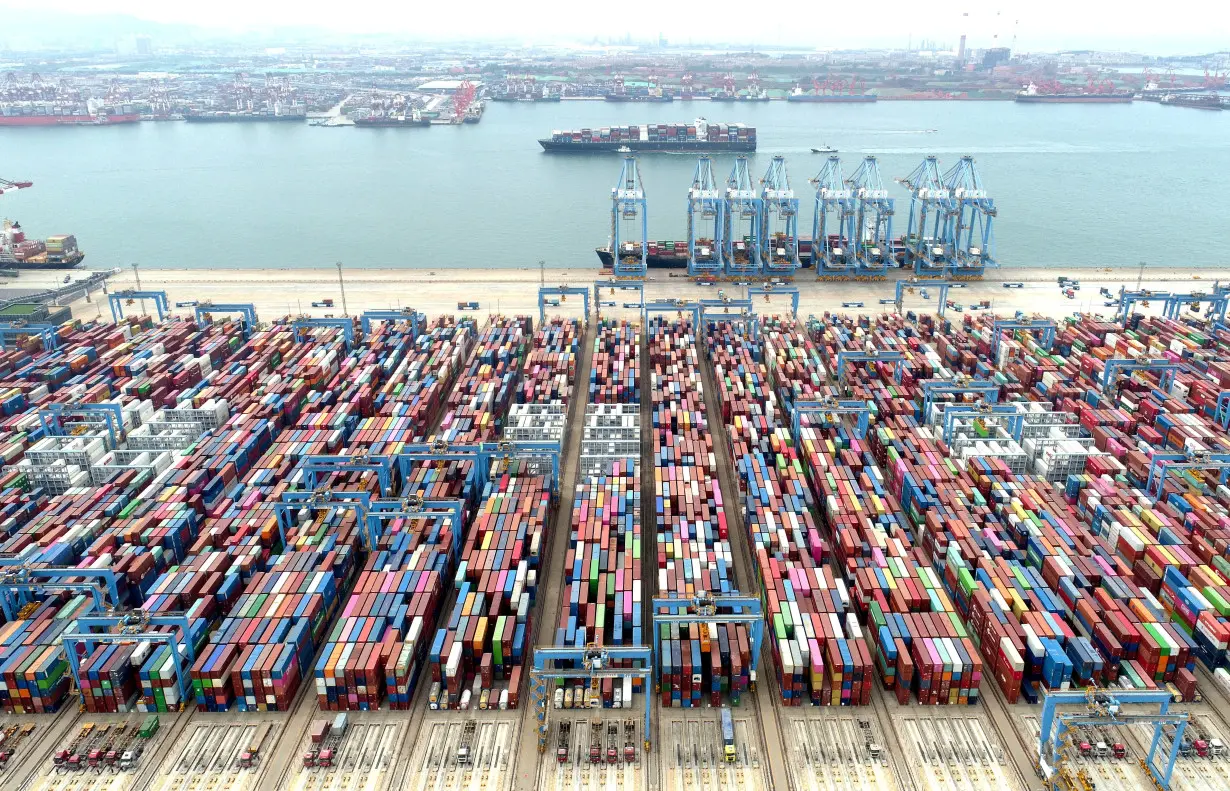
{"x":467,"y":306}
{"x":629,"y":741}
{"x":595,"y":741}
{"x":323,"y":303}
{"x":1014,"y":285}
{"x":251,"y":754}
{"x":612,"y":738}
{"x":467,"y":740}
{"x":728,"y":736}
{"x":563,"y":740}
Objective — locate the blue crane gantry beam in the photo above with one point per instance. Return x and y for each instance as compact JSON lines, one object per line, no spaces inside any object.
{"x":51,"y":419}
{"x":21,"y":328}
{"x":962,"y":386}
{"x":618,"y":285}
{"x":743,"y":215}
{"x":417,"y":320}
{"x":912,"y":283}
{"x":779,"y":249}
{"x":1117,"y":365}
{"x":134,"y":627}
{"x":834,"y":235}
{"x":119,"y":298}
{"x":925,"y":237}
{"x":246,"y":310}
{"x":706,"y":218}
{"x":769,"y":290}
{"x":724,"y":608}
{"x":593,"y":663}
{"x":314,"y":467}
{"x":1217,"y":301}
{"x":18,"y":581}
{"x":1222,"y":415}
{"x":630,"y":258}
{"x":1162,"y":464}
{"x":832,"y":409}
{"x":1008,"y":415}
{"x":1129,"y":299}
{"x":307,"y":323}
{"x":1105,"y":709}
{"x":439,"y":512}
{"x":1047,"y":327}
{"x":562,"y":291}
{"x":873,"y":222}
{"x":870,"y":357}
{"x":973,"y":213}
{"x":728,"y":309}
{"x":292,"y":503}
{"x":482,"y":454}
{"x":677,"y":306}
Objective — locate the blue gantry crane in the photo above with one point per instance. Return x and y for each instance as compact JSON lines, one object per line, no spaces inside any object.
{"x":742,"y":213}
{"x":959,"y":386}
{"x":1045,"y":328}
{"x":417,"y":320}
{"x":21,"y":328}
{"x":1101,"y":709}
{"x":727,"y":308}
{"x":833,"y":231}
{"x":874,"y":356}
{"x":305,"y":324}
{"x":926,"y":244}
{"x":779,"y":248}
{"x":1124,"y":365}
{"x":438,"y":511}
{"x":618,"y":285}
{"x":629,"y":223}
{"x":1174,"y":304}
{"x":908,"y":286}
{"x":20,"y":581}
{"x":591,"y":663}
{"x":708,"y":609}
{"x":1129,"y":299}
{"x":108,"y":417}
{"x":136,"y":626}
{"x":246,"y":310}
{"x":1162,"y":464}
{"x":706,"y":222}
{"x":317,"y":466}
{"x":482,"y":454}
{"x":560,"y":294}
{"x":972,"y":213}
{"x":677,"y":306}
{"x":831,"y":410}
{"x":294,"y":504}
{"x":873,"y":221}
{"x":119,"y":299}
{"x":770,"y":290}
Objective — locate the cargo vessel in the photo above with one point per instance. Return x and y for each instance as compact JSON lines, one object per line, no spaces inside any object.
{"x":242,"y":117}
{"x":35,"y":114}
{"x":1032,"y":94}
{"x":799,"y":95}
{"x":1198,"y":101}
{"x":700,"y":135}
{"x":411,"y":121}
{"x":55,"y":252}
{"x":639,"y":97}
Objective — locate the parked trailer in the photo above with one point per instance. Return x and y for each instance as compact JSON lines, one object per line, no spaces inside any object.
{"x":464,"y":749}
{"x":595,"y":741}
{"x":629,"y":740}
{"x":563,"y":741}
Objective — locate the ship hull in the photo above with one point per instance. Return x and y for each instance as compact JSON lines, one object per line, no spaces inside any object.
{"x":611,"y":97}
{"x":834,"y":99}
{"x":244,"y":119}
{"x":68,"y":120}
{"x":391,"y":123}
{"x":662,"y":146}
{"x":69,"y":263}
{"x":1076,"y":99}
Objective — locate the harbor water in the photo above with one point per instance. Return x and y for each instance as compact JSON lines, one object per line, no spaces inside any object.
{"x":1076,"y":185}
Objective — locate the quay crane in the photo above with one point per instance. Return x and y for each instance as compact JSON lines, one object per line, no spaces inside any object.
{"x":874,"y":221}
{"x":705,"y":222}
{"x":925,"y":244}
{"x":833,"y":235}
{"x":629,"y":225}
{"x":972,"y":213}
{"x":779,"y":224}
{"x":744,"y":213}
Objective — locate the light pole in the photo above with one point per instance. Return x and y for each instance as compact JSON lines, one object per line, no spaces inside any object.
{"x":342,"y":285}
{"x":1141,"y":275}
{"x":136,"y":273}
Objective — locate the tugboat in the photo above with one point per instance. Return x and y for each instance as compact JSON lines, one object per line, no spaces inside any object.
{"x":825,"y":149}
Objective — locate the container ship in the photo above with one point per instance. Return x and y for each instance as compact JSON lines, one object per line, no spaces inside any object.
{"x":674,"y":255}
{"x":45,"y":114}
{"x":411,"y":120}
{"x":18,"y":252}
{"x":290,"y":115}
{"x":1032,"y":94}
{"x":799,"y":95}
{"x":1198,"y":101}
{"x":700,"y":135}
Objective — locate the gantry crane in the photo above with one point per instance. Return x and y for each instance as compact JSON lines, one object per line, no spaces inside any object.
{"x":873,"y":223}
{"x":779,"y":250}
{"x":742,"y":214}
{"x":833,"y":234}
{"x":925,"y":244}
{"x":705,"y":222}
{"x":972,"y":213}
{"x":13,"y":186}
{"x":629,"y":224}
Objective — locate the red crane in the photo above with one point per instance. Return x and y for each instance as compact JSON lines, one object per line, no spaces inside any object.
{"x":463,"y":97}
{"x":11,"y":186}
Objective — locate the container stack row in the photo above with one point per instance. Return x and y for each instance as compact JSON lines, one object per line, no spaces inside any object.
{"x":698,"y":661}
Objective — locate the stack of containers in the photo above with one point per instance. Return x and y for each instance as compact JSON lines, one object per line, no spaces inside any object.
{"x":476,"y":657}
{"x":32,"y":662}
{"x":698,"y":661}
{"x":602,"y":597}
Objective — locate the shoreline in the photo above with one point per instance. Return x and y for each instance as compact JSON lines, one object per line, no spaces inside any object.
{"x":290,"y":292}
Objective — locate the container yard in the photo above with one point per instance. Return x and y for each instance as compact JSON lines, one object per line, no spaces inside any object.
{"x":684,"y":545}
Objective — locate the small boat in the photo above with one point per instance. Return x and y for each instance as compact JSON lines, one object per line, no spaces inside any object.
{"x":824,"y":150}
{"x":623,"y":150}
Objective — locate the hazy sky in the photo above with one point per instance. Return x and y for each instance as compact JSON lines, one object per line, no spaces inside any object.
{"x":1193,"y":26}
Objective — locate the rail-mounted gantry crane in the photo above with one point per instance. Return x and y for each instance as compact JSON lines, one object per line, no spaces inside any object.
{"x":833,"y":234}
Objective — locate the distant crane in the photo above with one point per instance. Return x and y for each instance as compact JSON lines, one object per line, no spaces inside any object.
{"x":463,"y":97}
{"x":705,"y":222}
{"x":744,"y":213}
{"x":924,"y":236}
{"x":630,"y":256}
{"x":13,"y":186}
{"x":779,"y":251}
{"x":971,"y":212}
{"x":833,"y":234}
{"x":874,"y":221}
